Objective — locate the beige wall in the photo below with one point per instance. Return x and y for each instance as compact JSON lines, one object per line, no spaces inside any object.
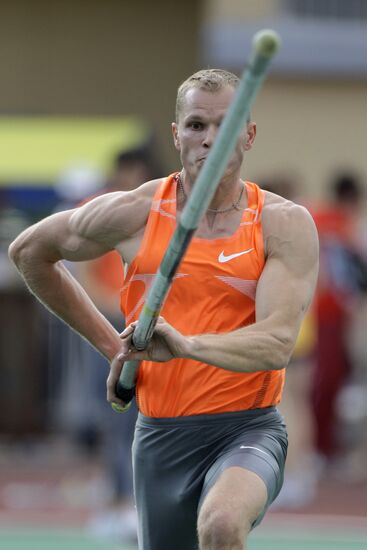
{"x":240,"y":9}
{"x":309,"y":128}
{"x":97,"y":57}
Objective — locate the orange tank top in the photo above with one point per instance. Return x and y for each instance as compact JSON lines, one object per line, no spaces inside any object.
{"x":213,"y":291}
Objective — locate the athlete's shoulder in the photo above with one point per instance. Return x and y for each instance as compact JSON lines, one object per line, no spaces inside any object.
{"x":285,"y":221}
{"x":283,"y":211}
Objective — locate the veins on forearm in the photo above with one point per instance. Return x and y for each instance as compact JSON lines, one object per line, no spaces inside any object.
{"x":241,"y":352}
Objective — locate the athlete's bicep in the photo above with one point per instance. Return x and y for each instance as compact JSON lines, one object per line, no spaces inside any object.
{"x":286,"y":286}
{"x":102,"y":224}
{"x":114,"y":217}
{"x":53,"y":239}
{"x":87,"y":232}
{"x":74,"y":246}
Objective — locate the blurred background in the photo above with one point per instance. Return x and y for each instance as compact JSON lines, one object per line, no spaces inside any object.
{"x":87,"y":96}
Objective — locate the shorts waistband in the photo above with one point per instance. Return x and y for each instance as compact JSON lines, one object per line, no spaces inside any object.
{"x":202,"y":419}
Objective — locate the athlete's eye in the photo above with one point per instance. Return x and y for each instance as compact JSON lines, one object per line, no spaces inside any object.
{"x":196,"y":125}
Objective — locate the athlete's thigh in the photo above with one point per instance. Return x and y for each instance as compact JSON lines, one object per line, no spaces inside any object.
{"x":252,"y":466}
{"x":166,"y":496}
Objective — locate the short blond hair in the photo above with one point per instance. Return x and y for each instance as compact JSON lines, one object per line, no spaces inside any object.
{"x":209,"y":80}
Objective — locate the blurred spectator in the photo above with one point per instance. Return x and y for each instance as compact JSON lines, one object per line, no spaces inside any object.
{"x":12,"y":222}
{"x":342,"y":279}
{"x":15,"y":315}
{"x":301,"y":475}
{"x":77,"y":182}
{"x":351,"y":406}
{"x":102,"y":279}
{"x":133,"y":167}
{"x":74,"y":184}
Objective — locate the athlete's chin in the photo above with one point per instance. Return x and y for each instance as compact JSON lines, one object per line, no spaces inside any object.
{"x":195,"y":168}
{"x":194,"y":171}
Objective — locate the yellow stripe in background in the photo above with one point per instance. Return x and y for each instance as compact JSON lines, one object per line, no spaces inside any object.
{"x":38,"y":149}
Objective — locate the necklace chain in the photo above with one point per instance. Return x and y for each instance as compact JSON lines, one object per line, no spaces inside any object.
{"x":234,"y":206}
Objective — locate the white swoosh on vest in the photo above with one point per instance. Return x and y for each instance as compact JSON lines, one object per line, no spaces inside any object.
{"x":222,"y":258}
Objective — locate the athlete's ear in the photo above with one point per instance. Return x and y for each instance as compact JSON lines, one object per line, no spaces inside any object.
{"x":250,"y":135}
{"x":176,"y":139}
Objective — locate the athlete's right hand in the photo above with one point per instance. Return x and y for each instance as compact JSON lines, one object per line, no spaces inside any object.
{"x":114,"y":374}
{"x":166,"y":343}
{"x":116,"y":366}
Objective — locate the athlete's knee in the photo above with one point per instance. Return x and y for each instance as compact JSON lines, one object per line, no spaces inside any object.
{"x":218,"y":530}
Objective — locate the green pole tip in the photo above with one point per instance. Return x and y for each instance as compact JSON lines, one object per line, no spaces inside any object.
{"x":266,"y":42}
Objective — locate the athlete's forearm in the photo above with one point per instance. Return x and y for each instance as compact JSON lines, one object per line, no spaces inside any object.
{"x":244,"y":350}
{"x":59,"y":291}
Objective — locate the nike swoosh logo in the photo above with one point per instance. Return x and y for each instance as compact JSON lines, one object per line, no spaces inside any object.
{"x":256,"y":449}
{"x":222,"y":258}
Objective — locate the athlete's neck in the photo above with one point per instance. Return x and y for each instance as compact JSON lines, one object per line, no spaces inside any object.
{"x":228,"y":196}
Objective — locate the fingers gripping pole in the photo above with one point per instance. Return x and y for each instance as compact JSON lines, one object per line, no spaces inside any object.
{"x":265,"y":45}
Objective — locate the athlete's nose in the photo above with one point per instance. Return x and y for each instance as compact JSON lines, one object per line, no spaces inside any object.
{"x":210,"y":135}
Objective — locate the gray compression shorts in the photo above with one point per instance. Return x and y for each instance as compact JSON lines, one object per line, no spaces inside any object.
{"x":177,"y":460}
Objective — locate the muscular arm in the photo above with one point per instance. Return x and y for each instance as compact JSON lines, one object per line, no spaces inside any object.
{"x":284,"y":292}
{"x":78,"y":235}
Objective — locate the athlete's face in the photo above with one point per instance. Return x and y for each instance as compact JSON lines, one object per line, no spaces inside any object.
{"x":196,"y":129}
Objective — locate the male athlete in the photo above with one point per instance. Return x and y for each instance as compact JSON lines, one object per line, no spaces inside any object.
{"x":209,"y":446}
